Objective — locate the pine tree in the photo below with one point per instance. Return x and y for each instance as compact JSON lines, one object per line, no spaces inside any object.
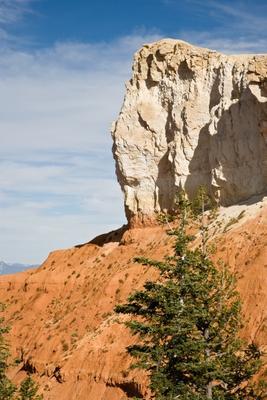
{"x":187,"y":323}
{"x":28,"y":390}
{"x":7,"y":388}
{"x":8,"y":391}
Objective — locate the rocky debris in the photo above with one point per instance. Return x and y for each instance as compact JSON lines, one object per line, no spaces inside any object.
{"x":191,"y":116}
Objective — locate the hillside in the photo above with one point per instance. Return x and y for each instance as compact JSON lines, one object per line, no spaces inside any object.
{"x":63,"y":325}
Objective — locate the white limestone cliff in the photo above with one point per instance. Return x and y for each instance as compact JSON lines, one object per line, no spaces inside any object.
{"x":191,"y":116}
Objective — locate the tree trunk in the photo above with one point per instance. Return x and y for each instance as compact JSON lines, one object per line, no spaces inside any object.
{"x":203,"y":226}
{"x":207,"y":351}
{"x":209,"y":391}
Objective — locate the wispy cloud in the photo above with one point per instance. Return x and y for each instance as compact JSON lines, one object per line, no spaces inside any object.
{"x":57,"y":179}
{"x":13,"y":10}
{"x":245,"y":18}
{"x":237,"y":27}
{"x":228,"y":45}
{"x":63,"y":98}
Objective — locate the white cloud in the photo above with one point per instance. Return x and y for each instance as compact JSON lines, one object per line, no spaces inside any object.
{"x":44,"y":232}
{"x":227,"y":45}
{"x":248,"y":20}
{"x":43,"y":207}
{"x":13,"y":10}
{"x":230,"y":27}
{"x":57,"y":179}
{"x":49,"y":95}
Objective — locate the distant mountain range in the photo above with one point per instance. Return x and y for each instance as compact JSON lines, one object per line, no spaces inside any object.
{"x":6,"y":268}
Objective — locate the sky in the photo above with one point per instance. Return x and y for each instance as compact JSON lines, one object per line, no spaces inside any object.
{"x":63,"y":68}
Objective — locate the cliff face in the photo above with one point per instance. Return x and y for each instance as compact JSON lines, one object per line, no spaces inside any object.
{"x":191,"y":116}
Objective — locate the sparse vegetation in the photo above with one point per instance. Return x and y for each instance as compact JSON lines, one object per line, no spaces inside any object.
{"x":65,"y":346}
{"x":8,"y":391}
{"x":234,"y":220}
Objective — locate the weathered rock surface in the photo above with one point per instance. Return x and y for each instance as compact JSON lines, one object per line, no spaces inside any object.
{"x":191,"y":116}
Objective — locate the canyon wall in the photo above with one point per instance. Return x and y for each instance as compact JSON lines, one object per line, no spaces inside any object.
{"x":191,"y":117}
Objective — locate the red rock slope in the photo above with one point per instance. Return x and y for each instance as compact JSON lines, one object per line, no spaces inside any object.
{"x":63,"y":325}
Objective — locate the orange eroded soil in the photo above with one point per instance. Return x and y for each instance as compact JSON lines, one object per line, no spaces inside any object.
{"x":63,"y":325}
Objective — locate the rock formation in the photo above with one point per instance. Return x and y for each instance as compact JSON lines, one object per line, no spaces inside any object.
{"x":191,"y":116}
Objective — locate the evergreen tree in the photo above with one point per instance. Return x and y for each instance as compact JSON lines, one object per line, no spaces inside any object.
{"x":187,"y":323}
{"x":7,"y":389}
{"x":28,"y":390}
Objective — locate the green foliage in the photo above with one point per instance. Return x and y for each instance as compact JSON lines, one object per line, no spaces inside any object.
{"x":163,"y":218}
{"x":202,"y":202}
{"x":28,"y":388}
{"x":187,"y":324}
{"x":7,"y":389}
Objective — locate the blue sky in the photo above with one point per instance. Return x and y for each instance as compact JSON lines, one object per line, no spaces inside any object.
{"x":48,"y":21}
{"x":63,"y":65}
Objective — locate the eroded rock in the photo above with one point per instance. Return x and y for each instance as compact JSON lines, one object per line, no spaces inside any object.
{"x":191,"y":116}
